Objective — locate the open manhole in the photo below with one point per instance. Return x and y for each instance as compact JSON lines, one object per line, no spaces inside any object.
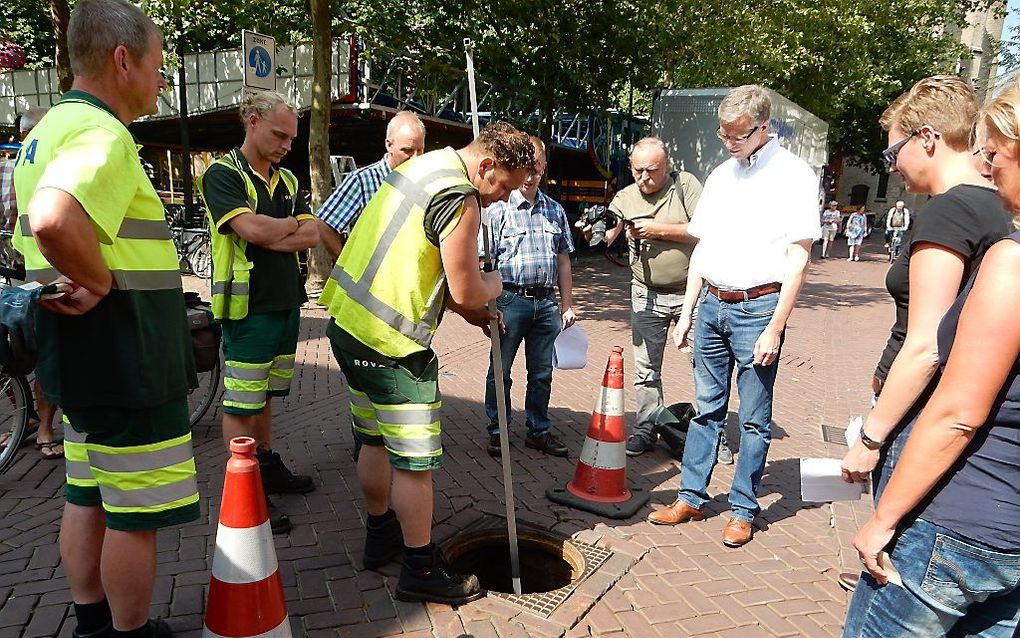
{"x":551,"y":566}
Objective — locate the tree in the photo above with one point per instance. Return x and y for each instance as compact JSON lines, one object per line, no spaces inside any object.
{"x":318,"y":139}
{"x":60,"y":13}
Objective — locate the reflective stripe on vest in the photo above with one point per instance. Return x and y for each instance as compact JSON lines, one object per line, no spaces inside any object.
{"x":130,"y":228}
{"x":360,"y":291}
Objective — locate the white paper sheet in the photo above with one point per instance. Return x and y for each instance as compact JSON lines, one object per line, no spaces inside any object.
{"x":853,"y":430}
{"x":821,"y":481}
{"x":570,"y":352}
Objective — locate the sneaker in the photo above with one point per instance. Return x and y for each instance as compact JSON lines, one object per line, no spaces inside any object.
{"x":278,"y":521}
{"x":547,"y":443}
{"x":857,"y":258}
{"x":638,"y":444}
{"x":383,"y":543}
{"x":430,"y":579}
{"x":725,"y":455}
{"x":277,"y":479}
{"x":493,"y":448}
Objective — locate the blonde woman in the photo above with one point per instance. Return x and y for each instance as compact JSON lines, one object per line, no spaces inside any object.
{"x":950,"y":514}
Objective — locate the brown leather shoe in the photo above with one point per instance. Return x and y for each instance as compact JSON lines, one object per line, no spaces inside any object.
{"x":737,"y":532}
{"x":678,"y":512}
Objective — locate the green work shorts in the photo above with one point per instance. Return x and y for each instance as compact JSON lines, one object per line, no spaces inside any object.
{"x":394,"y":403}
{"x":259,"y":353}
{"x":136,"y":463}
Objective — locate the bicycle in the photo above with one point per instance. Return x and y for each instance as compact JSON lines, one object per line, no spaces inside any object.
{"x":194,"y":250}
{"x":895,"y":244}
{"x":17,"y":408}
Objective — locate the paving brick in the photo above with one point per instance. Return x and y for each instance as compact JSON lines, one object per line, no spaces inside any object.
{"x":788,"y":570}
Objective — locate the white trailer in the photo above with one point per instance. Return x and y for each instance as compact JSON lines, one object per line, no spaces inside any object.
{"x":687,"y":119}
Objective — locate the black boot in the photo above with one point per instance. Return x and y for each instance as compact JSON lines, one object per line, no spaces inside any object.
{"x":384,"y":540}
{"x":278,"y":521}
{"x":428,"y":578}
{"x":277,"y":479}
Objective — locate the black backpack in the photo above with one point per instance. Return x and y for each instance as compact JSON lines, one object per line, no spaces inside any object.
{"x":206,"y":332}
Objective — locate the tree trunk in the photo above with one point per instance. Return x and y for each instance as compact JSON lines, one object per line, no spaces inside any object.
{"x":60,"y":14}
{"x":319,"y":264}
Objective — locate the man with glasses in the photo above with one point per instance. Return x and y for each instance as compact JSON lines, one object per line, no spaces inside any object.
{"x":655,"y":210}
{"x":531,"y":245}
{"x":755,"y":224}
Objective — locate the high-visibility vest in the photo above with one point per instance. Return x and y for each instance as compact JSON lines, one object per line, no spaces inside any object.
{"x":141,"y":256}
{"x":231,"y":268}
{"x":388,"y":287}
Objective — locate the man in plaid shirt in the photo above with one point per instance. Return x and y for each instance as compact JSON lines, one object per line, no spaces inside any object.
{"x":531,"y":245}
{"x":405,"y":138}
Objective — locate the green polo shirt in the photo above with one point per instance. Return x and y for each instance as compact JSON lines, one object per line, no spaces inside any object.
{"x":134,"y":348}
{"x":275,"y":277}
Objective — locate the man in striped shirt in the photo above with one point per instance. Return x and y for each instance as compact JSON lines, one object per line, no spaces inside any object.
{"x":531,"y":245}
{"x":405,"y":138}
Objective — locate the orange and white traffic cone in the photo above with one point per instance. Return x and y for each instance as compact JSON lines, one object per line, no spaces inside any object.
{"x":245,"y":592}
{"x":600,"y":481}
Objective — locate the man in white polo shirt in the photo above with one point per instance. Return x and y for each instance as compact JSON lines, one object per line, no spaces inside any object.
{"x":755,"y":222}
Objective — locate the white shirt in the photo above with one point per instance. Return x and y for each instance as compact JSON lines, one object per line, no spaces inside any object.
{"x":749,"y":213}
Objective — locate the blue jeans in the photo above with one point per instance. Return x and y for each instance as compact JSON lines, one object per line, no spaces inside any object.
{"x":951,"y":587}
{"x":724,"y":337}
{"x":536,"y":322}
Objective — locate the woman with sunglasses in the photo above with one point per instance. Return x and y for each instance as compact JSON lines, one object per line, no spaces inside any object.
{"x":929,"y":131}
{"x":950,"y":513}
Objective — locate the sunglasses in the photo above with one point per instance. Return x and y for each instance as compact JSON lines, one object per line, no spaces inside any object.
{"x":890,"y":154}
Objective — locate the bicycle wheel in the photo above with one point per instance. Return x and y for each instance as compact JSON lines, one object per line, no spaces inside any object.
{"x":14,"y":410}
{"x":200,"y":258}
{"x":202,"y":397}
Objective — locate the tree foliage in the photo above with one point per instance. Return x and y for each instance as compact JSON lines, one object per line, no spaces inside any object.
{"x":844,"y":60}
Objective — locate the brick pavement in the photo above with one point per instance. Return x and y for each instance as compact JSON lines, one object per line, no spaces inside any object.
{"x":665,"y":581}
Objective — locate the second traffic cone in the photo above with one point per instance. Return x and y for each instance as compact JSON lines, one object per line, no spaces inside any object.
{"x":245,"y":592}
{"x":600,"y":481}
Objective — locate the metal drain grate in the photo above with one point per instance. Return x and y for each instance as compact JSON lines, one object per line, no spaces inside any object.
{"x":545,"y":603}
{"x":833,"y":434}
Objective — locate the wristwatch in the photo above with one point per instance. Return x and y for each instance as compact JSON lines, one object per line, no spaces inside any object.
{"x":870,"y":443}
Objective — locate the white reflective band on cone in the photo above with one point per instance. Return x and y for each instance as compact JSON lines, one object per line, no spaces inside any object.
{"x":610,"y":402}
{"x":244,"y":555}
{"x":280,"y":631}
{"x":603,"y":456}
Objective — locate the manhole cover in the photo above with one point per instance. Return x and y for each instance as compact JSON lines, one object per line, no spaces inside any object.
{"x":551,"y":566}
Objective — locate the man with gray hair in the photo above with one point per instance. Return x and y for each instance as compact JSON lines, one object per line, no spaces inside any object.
{"x":405,"y":138}
{"x":755,"y":224}
{"x":655,"y":210}
{"x":261,"y":222}
{"x":114,"y":350}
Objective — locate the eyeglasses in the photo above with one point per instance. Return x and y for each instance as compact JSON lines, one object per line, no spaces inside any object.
{"x":890,"y":154}
{"x":739,"y":138}
{"x":988,"y":157}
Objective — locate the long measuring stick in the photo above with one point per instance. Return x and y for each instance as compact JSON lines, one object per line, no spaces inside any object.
{"x":497,"y":359}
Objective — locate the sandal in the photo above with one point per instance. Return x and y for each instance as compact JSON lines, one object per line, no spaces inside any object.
{"x":48,"y":449}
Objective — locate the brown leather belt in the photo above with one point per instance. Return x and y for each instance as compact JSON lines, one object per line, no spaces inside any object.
{"x":745,"y":295}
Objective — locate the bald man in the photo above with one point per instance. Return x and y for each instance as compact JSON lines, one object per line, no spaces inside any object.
{"x":405,"y":138}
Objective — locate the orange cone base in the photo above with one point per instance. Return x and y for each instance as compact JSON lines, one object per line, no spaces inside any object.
{"x":623,"y":509}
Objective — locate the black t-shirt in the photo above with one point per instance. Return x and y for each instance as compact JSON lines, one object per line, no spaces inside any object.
{"x":275,"y":277}
{"x":965,"y":219}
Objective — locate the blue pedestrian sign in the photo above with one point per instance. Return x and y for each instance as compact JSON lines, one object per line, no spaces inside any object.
{"x":259,"y":60}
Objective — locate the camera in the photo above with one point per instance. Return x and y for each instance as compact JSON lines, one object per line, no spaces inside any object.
{"x":600,"y":218}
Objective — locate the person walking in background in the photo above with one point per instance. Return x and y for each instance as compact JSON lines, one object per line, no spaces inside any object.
{"x":856,"y":227}
{"x":830,"y":227}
